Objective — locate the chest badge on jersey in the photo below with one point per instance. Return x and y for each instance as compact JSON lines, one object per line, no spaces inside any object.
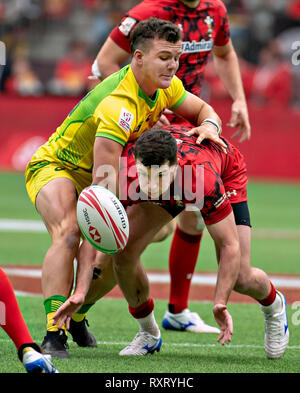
{"x":208,"y":20}
{"x":204,"y":45}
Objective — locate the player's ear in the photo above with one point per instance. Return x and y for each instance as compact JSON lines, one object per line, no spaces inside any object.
{"x":138,"y":56}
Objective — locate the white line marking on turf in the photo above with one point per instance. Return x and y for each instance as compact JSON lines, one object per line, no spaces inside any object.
{"x":8,"y":225}
{"x":15,"y":225}
{"x":18,"y":271}
{"x":162,"y":278}
{"x":229,"y":346}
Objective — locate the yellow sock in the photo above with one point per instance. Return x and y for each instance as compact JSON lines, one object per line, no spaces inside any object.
{"x":50,"y":326}
{"x":78,"y":317}
{"x":27,"y":349}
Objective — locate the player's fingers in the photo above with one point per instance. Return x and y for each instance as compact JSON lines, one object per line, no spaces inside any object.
{"x":246,"y":134}
{"x":234,"y":120}
{"x":164,"y":120}
{"x":222,"y":144}
{"x":68,"y":323}
{"x":191,"y":132}
{"x":237,"y":133}
{"x":220,"y":336}
{"x":200,"y":139}
{"x":59,"y":321}
{"x":226,"y":338}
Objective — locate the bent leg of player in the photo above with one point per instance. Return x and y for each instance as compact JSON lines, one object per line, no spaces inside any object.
{"x":133,"y":279}
{"x":14,"y":325}
{"x":165,"y":232}
{"x":256,"y":284}
{"x":185,"y":247}
{"x":56,"y":203}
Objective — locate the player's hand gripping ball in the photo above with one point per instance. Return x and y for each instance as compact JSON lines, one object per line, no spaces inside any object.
{"x":102,"y":219}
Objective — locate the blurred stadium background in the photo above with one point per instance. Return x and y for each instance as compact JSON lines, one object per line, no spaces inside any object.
{"x":50,"y":46}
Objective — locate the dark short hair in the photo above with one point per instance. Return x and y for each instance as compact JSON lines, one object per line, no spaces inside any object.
{"x":156,"y":147}
{"x":150,"y":29}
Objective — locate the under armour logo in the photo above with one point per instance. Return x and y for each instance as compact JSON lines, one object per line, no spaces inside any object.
{"x":94,"y":234}
{"x":231,"y":193}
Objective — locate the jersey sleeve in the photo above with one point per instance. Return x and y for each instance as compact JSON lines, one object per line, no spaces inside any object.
{"x":176,"y":93}
{"x":223,"y":34}
{"x":216,"y":205}
{"x":142,"y":11}
{"x":116,"y":121}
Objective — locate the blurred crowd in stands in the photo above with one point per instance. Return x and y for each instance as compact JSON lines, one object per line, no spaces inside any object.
{"x":51,"y":44}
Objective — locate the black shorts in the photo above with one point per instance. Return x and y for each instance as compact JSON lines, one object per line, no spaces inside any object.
{"x":240,"y":211}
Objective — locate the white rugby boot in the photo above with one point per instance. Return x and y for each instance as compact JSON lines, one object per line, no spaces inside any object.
{"x":276,"y":329}
{"x":142,"y":344}
{"x":187,"y":321}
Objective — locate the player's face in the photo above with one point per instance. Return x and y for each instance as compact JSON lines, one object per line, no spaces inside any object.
{"x":155,"y":180}
{"x":160,"y":63}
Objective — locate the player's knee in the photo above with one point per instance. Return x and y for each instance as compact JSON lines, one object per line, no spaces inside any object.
{"x":165,"y":231}
{"x":68,"y":234}
{"x":127,"y":259}
{"x":72,"y":236}
{"x":191,"y":222}
{"x":242,"y":282}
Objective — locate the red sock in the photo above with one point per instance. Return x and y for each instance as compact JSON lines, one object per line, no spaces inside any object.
{"x":270,"y":298}
{"x":143,"y":310}
{"x":182,"y":262}
{"x":11,"y":319}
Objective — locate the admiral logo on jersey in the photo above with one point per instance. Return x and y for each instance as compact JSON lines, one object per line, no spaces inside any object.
{"x":203,"y":45}
{"x":195,"y":47}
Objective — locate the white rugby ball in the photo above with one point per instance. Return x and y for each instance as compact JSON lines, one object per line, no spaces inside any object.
{"x":102,"y":219}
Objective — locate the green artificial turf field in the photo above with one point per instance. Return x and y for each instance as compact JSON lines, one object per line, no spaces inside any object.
{"x":275,"y":212}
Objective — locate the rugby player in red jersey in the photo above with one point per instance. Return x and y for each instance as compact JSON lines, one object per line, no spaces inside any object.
{"x":168,"y":169}
{"x":205,"y":29}
{"x":14,"y":325}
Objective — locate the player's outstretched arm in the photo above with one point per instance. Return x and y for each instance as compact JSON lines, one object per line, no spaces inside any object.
{"x":107,"y":154}
{"x":64,"y":314}
{"x":109,"y":59}
{"x":227,"y":66}
{"x":226,"y":240}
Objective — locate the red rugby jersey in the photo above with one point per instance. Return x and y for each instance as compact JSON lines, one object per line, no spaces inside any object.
{"x":207,"y":178}
{"x":203,"y":27}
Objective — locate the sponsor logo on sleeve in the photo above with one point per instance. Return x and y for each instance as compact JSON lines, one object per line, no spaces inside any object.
{"x":126,"y":25}
{"x":125,"y":119}
{"x":220,"y":201}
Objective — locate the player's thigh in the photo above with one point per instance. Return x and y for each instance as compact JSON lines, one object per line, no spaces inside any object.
{"x":56,"y":203}
{"x":145,"y":220}
{"x":53,"y":189}
{"x":191,"y":222}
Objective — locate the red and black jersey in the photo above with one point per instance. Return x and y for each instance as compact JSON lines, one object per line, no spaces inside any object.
{"x":203,"y":27}
{"x":207,"y":178}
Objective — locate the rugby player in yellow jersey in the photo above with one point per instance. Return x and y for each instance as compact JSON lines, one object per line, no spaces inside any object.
{"x":92,"y":138}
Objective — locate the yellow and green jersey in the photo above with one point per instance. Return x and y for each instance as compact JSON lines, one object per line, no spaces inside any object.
{"x":117,"y":109}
